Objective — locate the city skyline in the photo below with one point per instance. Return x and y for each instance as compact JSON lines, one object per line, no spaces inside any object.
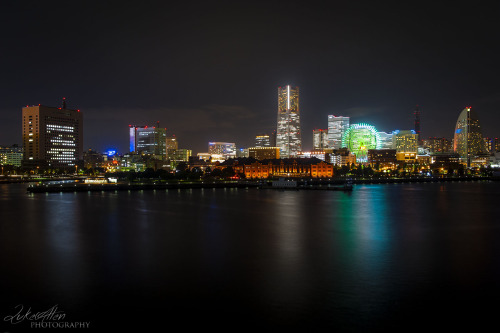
{"x":122,"y":148}
{"x":215,"y":80}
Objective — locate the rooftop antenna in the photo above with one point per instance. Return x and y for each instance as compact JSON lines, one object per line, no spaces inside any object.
{"x":64,"y":103}
{"x":417,"y":122}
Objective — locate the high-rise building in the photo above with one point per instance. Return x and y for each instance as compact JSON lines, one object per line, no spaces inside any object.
{"x":320,"y":139}
{"x":437,"y":145}
{"x":468,"y":140}
{"x":405,"y":141}
{"x":148,"y":140}
{"x":262,"y":141}
{"x":288,"y":135}
{"x":337,"y":126}
{"x":171,"y":145}
{"x":385,"y":140}
{"x":225,"y":149}
{"x":52,"y":137}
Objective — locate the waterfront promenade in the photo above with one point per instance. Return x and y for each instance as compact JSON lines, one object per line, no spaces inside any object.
{"x":77,"y":185}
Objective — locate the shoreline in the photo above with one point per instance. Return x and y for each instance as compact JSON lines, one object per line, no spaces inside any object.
{"x":301,"y":184}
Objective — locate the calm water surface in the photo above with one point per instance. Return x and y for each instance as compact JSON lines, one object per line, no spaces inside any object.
{"x":395,"y":257}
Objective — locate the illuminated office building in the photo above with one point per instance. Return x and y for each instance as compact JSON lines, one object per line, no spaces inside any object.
{"x":243,"y":152}
{"x":288,"y":135}
{"x":224,"y":149}
{"x":181,"y":155}
{"x":203,"y":156}
{"x":490,"y":145}
{"x":385,"y":140}
{"x":52,"y":137}
{"x":320,"y":139}
{"x":171,"y":145}
{"x":319,"y":154}
{"x":11,"y":155}
{"x":437,"y":145}
{"x":405,"y":141}
{"x":468,"y":140}
{"x":262,"y":141}
{"x":148,"y":140}
{"x":263,"y":153}
{"x":337,"y":126}
{"x":340,"y":157}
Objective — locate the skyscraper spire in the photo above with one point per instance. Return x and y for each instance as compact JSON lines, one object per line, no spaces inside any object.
{"x":64,"y":103}
{"x":288,"y":135}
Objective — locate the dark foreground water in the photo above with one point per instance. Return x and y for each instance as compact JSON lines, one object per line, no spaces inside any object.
{"x":392,"y":257}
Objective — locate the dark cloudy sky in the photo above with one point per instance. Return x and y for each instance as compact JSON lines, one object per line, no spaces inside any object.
{"x":210,"y":70}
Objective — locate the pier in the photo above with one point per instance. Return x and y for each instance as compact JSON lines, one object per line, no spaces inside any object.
{"x":301,"y":184}
{"x":82,"y":187}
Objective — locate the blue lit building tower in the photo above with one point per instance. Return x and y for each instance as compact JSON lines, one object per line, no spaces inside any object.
{"x":148,"y":140}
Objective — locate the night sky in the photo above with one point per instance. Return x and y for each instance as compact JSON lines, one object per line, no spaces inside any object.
{"x":209,"y":71}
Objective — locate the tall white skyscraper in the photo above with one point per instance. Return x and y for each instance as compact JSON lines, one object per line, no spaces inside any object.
{"x":337,"y":125}
{"x":386,"y":140}
{"x":288,"y":136}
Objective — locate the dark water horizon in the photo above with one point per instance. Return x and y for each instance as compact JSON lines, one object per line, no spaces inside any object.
{"x":385,"y":257}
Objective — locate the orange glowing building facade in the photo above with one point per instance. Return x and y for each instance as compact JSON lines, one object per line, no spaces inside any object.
{"x":285,"y":168}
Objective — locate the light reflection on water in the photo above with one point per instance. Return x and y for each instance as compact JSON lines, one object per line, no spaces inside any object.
{"x":323,"y":258}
